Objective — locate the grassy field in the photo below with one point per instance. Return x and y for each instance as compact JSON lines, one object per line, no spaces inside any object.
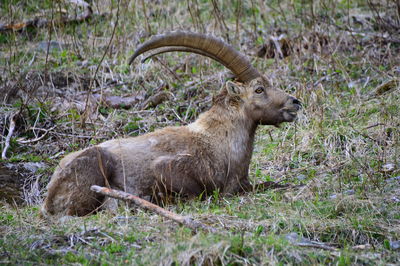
{"x":341,"y":58}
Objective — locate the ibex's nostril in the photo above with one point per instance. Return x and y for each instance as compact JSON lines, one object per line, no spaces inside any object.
{"x":295,"y":101}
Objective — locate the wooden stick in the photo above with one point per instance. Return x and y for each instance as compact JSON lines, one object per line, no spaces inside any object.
{"x":315,"y":245}
{"x":8,"y":138}
{"x":21,"y":141}
{"x":186,"y":221}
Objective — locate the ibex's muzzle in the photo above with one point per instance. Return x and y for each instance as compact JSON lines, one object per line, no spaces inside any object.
{"x":289,"y":111}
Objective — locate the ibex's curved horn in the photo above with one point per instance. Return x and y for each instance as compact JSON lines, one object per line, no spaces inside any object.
{"x":205,"y":45}
{"x":179,"y":49}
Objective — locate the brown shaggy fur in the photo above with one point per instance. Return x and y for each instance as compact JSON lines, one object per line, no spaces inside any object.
{"x":213,"y":153}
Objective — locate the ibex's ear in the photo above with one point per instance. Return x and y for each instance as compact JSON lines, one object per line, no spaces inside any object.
{"x":266,"y":81}
{"x":232,"y":88}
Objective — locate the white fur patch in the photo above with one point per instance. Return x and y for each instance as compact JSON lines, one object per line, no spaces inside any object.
{"x":153,"y":141}
{"x":195,"y":127}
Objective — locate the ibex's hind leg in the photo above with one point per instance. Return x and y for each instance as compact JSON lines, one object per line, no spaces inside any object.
{"x":69,"y":189}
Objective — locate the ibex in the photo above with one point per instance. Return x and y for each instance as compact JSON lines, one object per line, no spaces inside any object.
{"x":212,"y":153}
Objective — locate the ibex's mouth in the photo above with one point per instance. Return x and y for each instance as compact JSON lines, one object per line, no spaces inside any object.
{"x":289,"y":111}
{"x":290,"y":115}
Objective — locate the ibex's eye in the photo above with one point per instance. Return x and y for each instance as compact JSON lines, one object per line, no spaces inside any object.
{"x":259,"y":90}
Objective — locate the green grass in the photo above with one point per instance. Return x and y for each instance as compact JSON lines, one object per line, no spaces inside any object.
{"x":251,"y":232}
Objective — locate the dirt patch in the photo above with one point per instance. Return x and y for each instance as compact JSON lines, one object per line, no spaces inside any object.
{"x":10,"y":185}
{"x":19,"y":183}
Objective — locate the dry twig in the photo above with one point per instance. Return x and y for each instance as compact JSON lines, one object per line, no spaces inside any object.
{"x":8,"y":138}
{"x":316,"y":245}
{"x":186,"y":221}
{"x":22,"y":141}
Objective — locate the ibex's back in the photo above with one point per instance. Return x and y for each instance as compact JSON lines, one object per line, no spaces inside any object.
{"x":212,"y":153}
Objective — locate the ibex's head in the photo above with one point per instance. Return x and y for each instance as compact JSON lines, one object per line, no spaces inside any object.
{"x":261,"y":102}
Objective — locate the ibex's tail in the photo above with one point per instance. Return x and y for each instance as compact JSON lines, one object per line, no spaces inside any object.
{"x":69,"y":189}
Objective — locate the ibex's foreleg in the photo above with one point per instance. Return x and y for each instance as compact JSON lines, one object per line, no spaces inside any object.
{"x":69,"y":189}
{"x":178,"y":174}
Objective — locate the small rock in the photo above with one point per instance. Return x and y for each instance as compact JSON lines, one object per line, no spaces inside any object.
{"x":301,"y":177}
{"x":352,"y":84}
{"x":394,"y":244}
{"x":33,"y":167}
{"x":389,"y":167}
{"x":349,"y":192}
{"x":393,"y":179}
{"x":395,"y":199}
{"x":333,"y":196}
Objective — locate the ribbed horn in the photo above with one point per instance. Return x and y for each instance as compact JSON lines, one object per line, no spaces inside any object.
{"x":204,"y":45}
{"x":179,"y":49}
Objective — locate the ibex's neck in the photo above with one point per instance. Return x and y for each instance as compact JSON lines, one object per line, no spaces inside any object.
{"x":230,"y":130}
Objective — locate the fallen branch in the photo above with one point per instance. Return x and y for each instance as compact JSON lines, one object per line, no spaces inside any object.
{"x":300,"y":241}
{"x":22,"y":141}
{"x":44,"y":22}
{"x":8,"y":138}
{"x":186,"y":221}
{"x":316,"y":245}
